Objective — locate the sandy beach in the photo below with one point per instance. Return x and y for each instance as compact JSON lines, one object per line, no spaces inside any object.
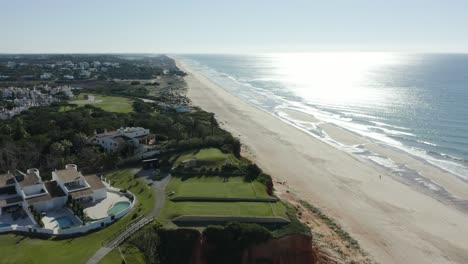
{"x":393,"y":220}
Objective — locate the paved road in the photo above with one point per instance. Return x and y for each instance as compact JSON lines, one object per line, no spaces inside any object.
{"x":159,"y":196}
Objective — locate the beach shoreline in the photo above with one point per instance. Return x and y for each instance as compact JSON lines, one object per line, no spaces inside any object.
{"x":392,"y":220}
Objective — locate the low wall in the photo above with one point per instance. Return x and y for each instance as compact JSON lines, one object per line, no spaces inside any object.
{"x":101,"y":223}
{"x":222,"y":199}
{"x":194,"y":220}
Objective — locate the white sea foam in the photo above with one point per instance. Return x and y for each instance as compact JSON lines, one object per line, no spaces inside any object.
{"x":340,"y":115}
{"x":427,"y":143}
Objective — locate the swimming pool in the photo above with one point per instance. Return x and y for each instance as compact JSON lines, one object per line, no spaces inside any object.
{"x":118,"y":207}
{"x":4,"y":225}
{"x":65,"y":221}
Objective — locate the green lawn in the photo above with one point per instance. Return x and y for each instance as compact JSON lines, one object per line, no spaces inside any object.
{"x":215,"y":187}
{"x":208,"y":157}
{"x":131,"y":254}
{"x":246,"y":209}
{"x":20,"y":249}
{"x":109,"y":103}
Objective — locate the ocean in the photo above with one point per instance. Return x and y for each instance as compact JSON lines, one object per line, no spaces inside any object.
{"x":417,"y":103}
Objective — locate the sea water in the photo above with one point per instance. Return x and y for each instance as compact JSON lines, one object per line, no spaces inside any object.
{"x":415,"y":102}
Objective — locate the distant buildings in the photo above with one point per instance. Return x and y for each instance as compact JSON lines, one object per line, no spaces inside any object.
{"x":136,"y":137}
{"x":25,"y":98}
{"x":46,"y":76}
{"x":65,"y":70}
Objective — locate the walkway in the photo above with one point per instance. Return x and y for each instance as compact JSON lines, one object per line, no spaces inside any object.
{"x":159,"y":196}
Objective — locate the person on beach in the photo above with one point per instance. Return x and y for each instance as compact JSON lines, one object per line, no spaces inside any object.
{"x":380,"y":176}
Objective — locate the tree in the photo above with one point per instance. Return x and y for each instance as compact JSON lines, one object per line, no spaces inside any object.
{"x":213,"y":123}
{"x":252,"y":172}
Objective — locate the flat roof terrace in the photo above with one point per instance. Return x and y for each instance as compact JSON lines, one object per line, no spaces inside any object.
{"x":69,"y":175}
{"x":6,"y":179}
{"x":10,"y":200}
{"x":28,"y":179}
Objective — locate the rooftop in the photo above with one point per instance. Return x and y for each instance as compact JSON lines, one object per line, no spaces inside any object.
{"x":10,"y":200}
{"x":81,"y":193}
{"x":28,"y":179}
{"x":40,"y":198}
{"x":6,"y":179}
{"x":69,"y":175}
{"x":106,"y":134}
{"x":95,"y":182}
{"x":54,"y":189}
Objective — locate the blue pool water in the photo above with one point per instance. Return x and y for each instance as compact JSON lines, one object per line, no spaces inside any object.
{"x":65,"y":221}
{"x":118,"y":207}
{"x":4,"y":225}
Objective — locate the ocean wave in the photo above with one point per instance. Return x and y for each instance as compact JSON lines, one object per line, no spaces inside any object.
{"x":388,"y":125}
{"x":427,"y":143}
{"x":353,"y":120}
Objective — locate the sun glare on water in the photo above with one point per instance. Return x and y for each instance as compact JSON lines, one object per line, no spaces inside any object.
{"x":341,"y":77}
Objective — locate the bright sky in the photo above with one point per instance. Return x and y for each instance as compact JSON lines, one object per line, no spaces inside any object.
{"x":240,"y":26}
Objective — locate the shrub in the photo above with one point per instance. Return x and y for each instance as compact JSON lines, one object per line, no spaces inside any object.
{"x":252,"y":172}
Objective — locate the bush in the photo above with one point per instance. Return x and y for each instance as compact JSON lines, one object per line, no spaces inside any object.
{"x":266,"y":180}
{"x":230,"y":241}
{"x":252,"y":172}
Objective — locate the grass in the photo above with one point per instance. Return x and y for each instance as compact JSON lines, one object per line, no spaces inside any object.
{"x":209,"y":157}
{"x":295,"y":227}
{"x":75,"y":250}
{"x":246,"y":209}
{"x":131,"y":254}
{"x":215,"y":187}
{"x":109,"y":103}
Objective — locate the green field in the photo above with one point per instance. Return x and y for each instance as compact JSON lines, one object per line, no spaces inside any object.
{"x":131,"y":254}
{"x":109,"y":103}
{"x":209,"y":157}
{"x":21,"y":249}
{"x":244,"y":209}
{"x":215,"y":187}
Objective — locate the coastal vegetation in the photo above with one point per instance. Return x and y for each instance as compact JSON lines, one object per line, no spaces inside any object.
{"x":161,"y":245}
{"x":210,"y":178}
{"x":127,"y":253}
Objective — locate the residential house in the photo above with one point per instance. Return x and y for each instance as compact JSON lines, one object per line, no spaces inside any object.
{"x":27,"y":189}
{"x":115,"y":140}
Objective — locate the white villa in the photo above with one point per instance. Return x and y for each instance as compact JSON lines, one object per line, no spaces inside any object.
{"x":28,"y":204}
{"x":114,"y":140}
{"x":80,"y":188}
{"x":28,"y":189}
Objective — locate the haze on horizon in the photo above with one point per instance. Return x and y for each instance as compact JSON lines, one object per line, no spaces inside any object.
{"x":209,"y":26}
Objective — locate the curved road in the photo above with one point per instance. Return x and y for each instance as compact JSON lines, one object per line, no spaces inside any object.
{"x":159,"y":188}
